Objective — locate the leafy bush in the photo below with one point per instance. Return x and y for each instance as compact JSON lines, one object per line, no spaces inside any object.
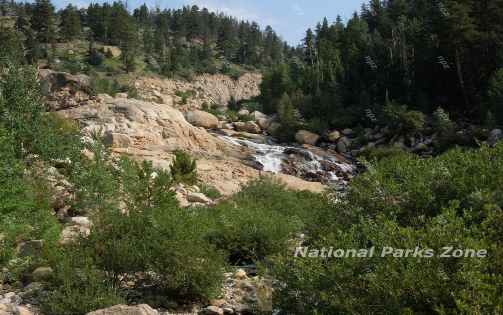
{"x":25,"y":212}
{"x":105,"y":86}
{"x":402,"y":120}
{"x":442,"y":123}
{"x":184,"y":169}
{"x":210,"y":191}
{"x":78,"y":287}
{"x":260,"y":220}
{"x":445,"y":129}
{"x":96,"y":58}
{"x":212,"y":109}
{"x":403,"y":202}
{"x":495,"y":95}
{"x":150,"y":235}
{"x":185,"y":95}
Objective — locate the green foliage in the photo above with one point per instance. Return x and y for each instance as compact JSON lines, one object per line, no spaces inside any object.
{"x":402,"y":120}
{"x":260,"y":220}
{"x":379,"y":153}
{"x":442,"y":122}
{"x":12,"y":48}
{"x":104,"y":85}
{"x":445,"y":129}
{"x":25,"y":213}
{"x":212,"y":109}
{"x":275,"y":84}
{"x":70,"y":23}
{"x":25,"y":129}
{"x":495,"y":95}
{"x":404,"y":201}
{"x":210,"y":191}
{"x":95,"y":58}
{"x":287,"y":118}
{"x":184,"y":168}
{"x":185,"y":95}
{"x":78,"y":287}
{"x":149,"y":234}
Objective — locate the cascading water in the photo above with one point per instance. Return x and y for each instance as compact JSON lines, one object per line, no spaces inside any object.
{"x":273,"y":158}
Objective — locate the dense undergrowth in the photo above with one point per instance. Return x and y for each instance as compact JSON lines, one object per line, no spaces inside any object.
{"x":144,"y":248}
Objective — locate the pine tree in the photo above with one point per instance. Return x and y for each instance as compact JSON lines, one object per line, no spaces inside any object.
{"x":70,"y":27}
{"x":43,"y":21}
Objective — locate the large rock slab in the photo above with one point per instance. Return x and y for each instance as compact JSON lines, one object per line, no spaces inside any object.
{"x":203,"y":119}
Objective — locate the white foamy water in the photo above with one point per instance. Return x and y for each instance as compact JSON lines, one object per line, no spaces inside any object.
{"x":272,"y":157}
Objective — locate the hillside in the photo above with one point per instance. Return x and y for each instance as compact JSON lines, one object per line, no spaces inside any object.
{"x":178,"y":161}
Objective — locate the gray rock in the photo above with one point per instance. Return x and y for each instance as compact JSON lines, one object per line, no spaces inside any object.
{"x":495,"y":136}
{"x":343,"y":145}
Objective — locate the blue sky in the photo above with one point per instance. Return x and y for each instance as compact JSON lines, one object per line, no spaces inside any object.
{"x":290,"y":18}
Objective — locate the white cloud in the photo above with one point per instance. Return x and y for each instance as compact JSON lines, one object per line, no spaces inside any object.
{"x":297,"y":9}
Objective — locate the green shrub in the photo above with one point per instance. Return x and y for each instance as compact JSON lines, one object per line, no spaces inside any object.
{"x":210,"y":191}
{"x":260,"y":220}
{"x":105,"y":86}
{"x":445,"y":129}
{"x":212,"y":109}
{"x":402,"y":120}
{"x":403,"y":202}
{"x":150,"y":235}
{"x":25,"y":213}
{"x":77,"y":287}
{"x":495,"y":95}
{"x":184,"y":168}
{"x":96,"y":58}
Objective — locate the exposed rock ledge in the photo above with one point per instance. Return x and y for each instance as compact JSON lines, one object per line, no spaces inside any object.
{"x":152,"y":131}
{"x":205,"y":88}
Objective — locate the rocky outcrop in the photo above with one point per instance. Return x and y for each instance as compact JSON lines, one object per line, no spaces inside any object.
{"x":215,"y":89}
{"x":64,"y":90}
{"x":151,"y":131}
